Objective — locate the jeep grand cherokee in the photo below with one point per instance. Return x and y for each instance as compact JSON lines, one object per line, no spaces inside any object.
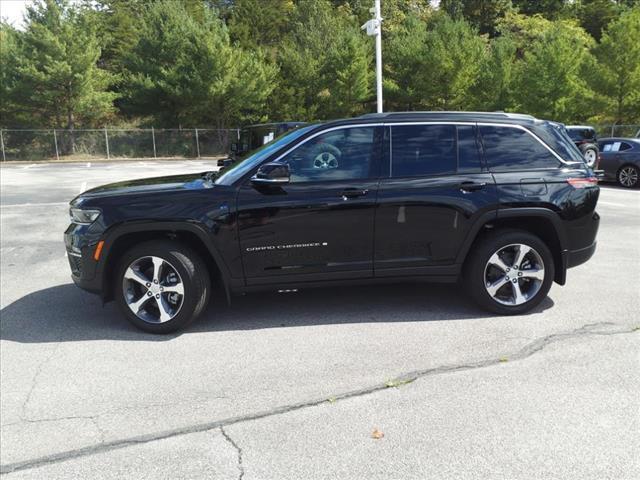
{"x":503,"y":203}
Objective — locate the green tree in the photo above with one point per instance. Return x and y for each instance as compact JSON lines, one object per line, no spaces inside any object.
{"x":595,"y":15}
{"x":185,"y":71}
{"x":57,"y":80}
{"x":494,"y":88}
{"x":9,"y":111}
{"x":255,"y":23}
{"x":551,"y":9}
{"x":550,"y":81}
{"x":435,"y":65}
{"x":482,"y":14}
{"x":325,"y":65}
{"x":617,"y":79}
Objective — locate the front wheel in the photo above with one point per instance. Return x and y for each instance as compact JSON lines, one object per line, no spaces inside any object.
{"x":161,"y":286}
{"x":628,"y":176}
{"x":509,"y":272}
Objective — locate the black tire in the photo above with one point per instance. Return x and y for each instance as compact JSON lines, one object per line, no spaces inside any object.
{"x":483,"y":249}
{"x":192,"y":272}
{"x":628,"y":176}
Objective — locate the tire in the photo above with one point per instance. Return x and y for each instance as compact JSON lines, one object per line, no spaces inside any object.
{"x":533,"y":277}
{"x":180,"y":294}
{"x":591,"y":156}
{"x":628,"y":176}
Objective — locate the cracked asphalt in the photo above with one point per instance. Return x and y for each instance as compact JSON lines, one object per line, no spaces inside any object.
{"x":281,"y":386}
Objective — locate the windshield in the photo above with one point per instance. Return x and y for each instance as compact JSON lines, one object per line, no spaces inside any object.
{"x":239,"y":169}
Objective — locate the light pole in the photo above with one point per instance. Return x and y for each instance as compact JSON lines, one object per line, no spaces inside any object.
{"x":374,"y":29}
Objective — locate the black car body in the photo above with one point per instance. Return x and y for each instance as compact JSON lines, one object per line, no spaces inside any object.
{"x":586,"y":140}
{"x":620,"y":160}
{"x":379,"y":198}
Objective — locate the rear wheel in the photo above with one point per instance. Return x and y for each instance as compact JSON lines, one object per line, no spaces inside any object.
{"x":162,"y":286}
{"x":628,"y":176}
{"x":509,"y":272}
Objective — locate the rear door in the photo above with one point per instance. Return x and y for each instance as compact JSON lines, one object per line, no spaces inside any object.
{"x":527,"y":172}
{"x":433,"y":190}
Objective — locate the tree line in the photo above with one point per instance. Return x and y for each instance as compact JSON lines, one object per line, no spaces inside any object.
{"x":224,"y":63}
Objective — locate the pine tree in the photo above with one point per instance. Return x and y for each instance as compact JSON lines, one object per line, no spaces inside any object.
{"x":617,"y":79}
{"x":57,"y":79}
{"x":184,"y":71}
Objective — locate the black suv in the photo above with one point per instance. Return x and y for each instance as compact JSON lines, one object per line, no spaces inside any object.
{"x":503,"y":203}
{"x":586,"y":140}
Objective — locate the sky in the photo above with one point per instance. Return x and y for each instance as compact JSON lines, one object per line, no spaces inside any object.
{"x":13,"y":10}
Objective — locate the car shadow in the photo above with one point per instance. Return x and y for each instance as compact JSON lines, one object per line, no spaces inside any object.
{"x":65,"y":313}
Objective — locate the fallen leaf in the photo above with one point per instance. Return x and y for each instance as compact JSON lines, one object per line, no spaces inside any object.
{"x":504,"y":359}
{"x":377,"y":434}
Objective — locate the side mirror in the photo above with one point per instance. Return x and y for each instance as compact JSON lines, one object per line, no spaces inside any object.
{"x":272,"y":174}
{"x":224,"y":162}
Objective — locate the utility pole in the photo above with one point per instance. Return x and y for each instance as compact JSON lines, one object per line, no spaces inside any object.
{"x":374,"y":29}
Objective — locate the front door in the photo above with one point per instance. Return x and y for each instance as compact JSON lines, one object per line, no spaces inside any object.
{"x":320,"y":225}
{"x":435,"y":188}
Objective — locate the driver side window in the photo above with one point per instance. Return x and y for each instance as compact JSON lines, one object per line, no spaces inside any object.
{"x":344,"y":154}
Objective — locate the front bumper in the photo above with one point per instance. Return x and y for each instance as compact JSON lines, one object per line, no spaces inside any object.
{"x":80,"y":244}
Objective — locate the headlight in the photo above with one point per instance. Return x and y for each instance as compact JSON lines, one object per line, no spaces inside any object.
{"x":83,"y":217}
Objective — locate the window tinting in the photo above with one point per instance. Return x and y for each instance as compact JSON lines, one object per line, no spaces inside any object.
{"x":508,"y":148}
{"x":418,"y":150}
{"x":343,"y":154}
{"x":624,"y":146}
{"x":468,"y":156}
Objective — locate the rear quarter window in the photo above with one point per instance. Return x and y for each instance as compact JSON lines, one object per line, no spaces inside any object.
{"x":509,"y":148}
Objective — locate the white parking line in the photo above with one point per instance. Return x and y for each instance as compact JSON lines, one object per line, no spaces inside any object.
{"x":20,"y":205}
{"x":83,"y":187}
{"x":612,"y":204}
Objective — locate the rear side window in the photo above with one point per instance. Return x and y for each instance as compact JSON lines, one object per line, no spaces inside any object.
{"x":508,"y":148}
{"x":420,"y":150}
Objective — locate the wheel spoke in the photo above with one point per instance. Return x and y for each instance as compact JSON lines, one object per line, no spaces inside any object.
{"x":497,"y":262}
{"x":537,"y":273}
{"x":138,"y":304}
{"x":522,"y":252}
{"x":131,"y":274}
{"x":518,"y":297}
{"x":493,"y":288}
{"x":157,"y":266}
{"x":165,"y":314}
{"x":177,"y":288}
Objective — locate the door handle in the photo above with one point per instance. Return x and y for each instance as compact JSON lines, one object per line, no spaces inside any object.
{"x":353,"y":193}
{"x":468,"y":187}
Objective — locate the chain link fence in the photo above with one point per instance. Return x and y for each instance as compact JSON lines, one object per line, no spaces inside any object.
{"x":618,"y":131}
{"x":99,"y":144}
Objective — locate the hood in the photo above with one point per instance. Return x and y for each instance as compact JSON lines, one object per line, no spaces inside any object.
{"x":194,"y":181}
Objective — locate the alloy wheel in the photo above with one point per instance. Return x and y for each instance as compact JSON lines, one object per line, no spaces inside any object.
{"x":514,"y":274}
{"x":153,"y":289}
{"x":591,"y":156}
{"x":628,"y":176}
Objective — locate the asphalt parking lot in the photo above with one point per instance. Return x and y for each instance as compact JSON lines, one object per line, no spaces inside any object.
{"x":281,"y":386}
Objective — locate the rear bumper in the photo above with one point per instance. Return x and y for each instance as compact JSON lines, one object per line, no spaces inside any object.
{"x":573,"y":258}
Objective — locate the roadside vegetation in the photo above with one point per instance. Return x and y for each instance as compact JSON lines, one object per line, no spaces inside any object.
{"x":223,"y":63}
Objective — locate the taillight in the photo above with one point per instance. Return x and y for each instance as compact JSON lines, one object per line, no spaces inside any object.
{"x":583,"y":182}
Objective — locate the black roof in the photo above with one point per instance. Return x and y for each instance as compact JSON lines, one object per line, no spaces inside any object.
{"x":494,"y":117}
